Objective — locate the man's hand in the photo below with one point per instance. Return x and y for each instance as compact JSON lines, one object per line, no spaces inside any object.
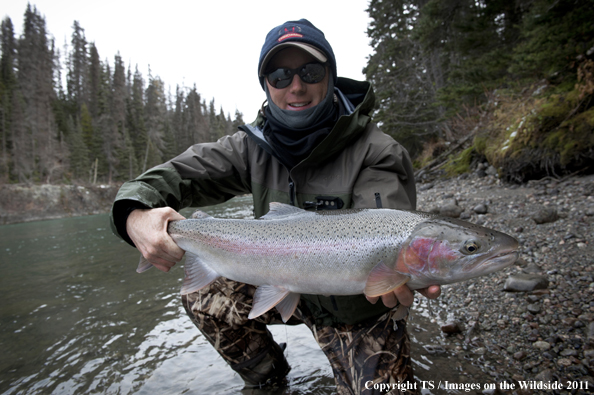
{"x":405,"y":296}
{"x":148,"y":230}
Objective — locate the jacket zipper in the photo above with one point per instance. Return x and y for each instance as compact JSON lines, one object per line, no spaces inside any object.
{"x":292,"y":191}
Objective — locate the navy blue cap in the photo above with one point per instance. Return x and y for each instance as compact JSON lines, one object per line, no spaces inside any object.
{"x":302,"y":34}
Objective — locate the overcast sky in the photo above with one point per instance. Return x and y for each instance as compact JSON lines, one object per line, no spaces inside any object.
{"x":214,"y":44}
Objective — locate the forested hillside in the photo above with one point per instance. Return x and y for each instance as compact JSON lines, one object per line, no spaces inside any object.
{"x":514,"y":77}
{"x":508,"y":82}
{"x":108,"y":123}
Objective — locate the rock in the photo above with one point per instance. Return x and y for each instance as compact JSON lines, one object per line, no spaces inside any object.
{"x":568,"y":353}
{"x":426,"y":187}
{"x":434,"y":349}
{"x":480,"y":209}
{"x":523,"y":282}
{"x":520,"y":355}
{"x":545,"y":215}
{"x":546,"y":376}
{"x":531,"y":269}
{"x":450,"y":209}
{"x":491,"y":171}
{"x":479,"y":351}
{"x":564,"y":362}
{"x":542,"y":346}
{"x":451,"y":327}
{"x":533,"y":308}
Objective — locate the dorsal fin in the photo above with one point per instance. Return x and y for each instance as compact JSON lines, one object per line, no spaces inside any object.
{"x":199,"y":215}
{"x":282,"y":210}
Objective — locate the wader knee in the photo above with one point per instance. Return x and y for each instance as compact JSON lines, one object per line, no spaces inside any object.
{"x":269,"y":368}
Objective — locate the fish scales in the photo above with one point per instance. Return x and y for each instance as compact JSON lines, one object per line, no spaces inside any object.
{"x":291,"y":251}
{"x":319,"y":253}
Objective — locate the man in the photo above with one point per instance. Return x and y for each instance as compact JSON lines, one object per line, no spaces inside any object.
{"x":314,"y":138}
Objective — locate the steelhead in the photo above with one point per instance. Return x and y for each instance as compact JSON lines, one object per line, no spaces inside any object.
{"x":290,"y":251}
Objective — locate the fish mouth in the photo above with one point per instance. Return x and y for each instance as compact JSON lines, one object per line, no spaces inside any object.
{"x":501,"y":260}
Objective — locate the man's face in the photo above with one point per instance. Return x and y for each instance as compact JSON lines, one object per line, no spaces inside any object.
{"x":298,"y":96}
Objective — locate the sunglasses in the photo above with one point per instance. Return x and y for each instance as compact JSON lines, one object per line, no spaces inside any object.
{"x":310,"y":73}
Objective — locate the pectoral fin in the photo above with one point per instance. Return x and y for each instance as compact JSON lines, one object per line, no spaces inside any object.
{"x":143,"y":265}
{"x":383,"y":279}
{"x":268,"y":296}
{"x":198,"y":275}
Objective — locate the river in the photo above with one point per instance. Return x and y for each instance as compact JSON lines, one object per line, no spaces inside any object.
{"x":76,"y":318}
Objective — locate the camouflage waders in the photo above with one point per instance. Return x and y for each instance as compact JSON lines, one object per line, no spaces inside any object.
{"x":361,"y":355}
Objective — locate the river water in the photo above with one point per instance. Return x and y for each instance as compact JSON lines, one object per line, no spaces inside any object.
{"x":76,"y":318}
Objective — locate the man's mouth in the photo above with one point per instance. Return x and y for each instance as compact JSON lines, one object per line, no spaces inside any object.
{"x":298,"y":106}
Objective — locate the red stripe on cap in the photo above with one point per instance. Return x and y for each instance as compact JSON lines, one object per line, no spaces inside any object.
{"x":290,"y":35}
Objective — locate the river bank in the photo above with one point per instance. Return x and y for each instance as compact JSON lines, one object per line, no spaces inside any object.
{"x":25,"y":203}
{"x":544,"y":335}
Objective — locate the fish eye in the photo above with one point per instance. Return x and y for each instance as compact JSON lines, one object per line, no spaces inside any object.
{"x":470,"y":247}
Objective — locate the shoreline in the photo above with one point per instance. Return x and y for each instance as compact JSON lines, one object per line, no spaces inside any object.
{"x":26,"y":203}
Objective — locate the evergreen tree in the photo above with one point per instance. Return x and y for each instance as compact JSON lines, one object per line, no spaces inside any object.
{"x":39,"y":156}
{"x":156,"y":119}
{"x":79,"y":153}
{"x":101,"y":125}
{"x":238,"y":121}
{"x":122,"y":157}
{"x":7,"y":88}
{"x":94,"y":81}
{"x":399,"y":71}
{"x":78,"y":69}
{"x":195,"y":126}
{"x":136,"y":117}
{"x":556,"y":35}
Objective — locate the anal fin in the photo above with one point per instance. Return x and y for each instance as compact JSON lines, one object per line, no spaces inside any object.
{"x":268,"y":296}
{"x":198,"y":275}
{"x":287,"y":306}
{"x":383,"y":279}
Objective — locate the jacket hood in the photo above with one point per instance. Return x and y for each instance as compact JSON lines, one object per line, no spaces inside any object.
{"x":358,"y":100}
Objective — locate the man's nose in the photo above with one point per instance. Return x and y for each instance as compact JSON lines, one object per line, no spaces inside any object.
{"x":297,"y":85}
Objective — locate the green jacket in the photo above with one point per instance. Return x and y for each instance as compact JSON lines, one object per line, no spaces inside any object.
{"x":356,"y":164}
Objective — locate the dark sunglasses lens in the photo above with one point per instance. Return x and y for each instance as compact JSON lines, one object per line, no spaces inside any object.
{"x":280,"y":78}
{"x":312,"y":73}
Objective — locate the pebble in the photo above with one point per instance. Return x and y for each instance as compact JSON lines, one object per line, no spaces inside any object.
{"x":520,"y":355}
{"x":523,"y":282}
{"x":480,"y":209}
{"x":545,"y":215}
{"x":542,"y":346}
{"x":451,"y":327}
{"x":450,"y":209}
{"x":533,"y":308}
{"x":564,"y":362}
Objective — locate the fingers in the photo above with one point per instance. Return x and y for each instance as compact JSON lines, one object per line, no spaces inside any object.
{"x":390,"y":299}
{"x":431,"y":292}
{"x":148,"y":231}
{"x":405,"y":296}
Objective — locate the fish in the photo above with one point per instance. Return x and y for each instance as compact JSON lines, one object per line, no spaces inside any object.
{"x":291,"y":251}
